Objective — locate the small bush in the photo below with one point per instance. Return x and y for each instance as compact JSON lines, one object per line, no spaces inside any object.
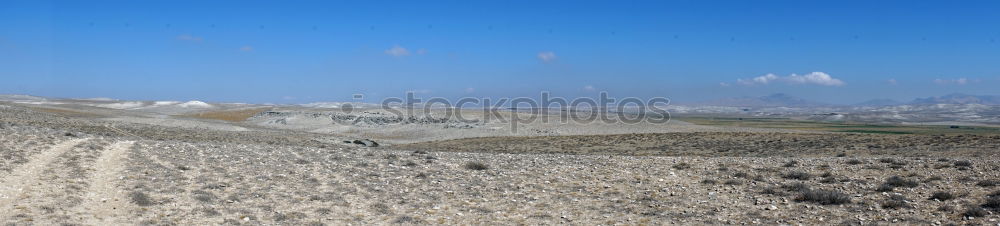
{"x":141,"y":199}
{"x":988,"y":183}
{"x":942,"y":196}
{"x":992,"y":203}
{"x":732,"y":182}
{"x":897,"y":181}
{"x":842,"y":154}
{"x":771,"y":191}
{"x":404,"y":220}
{"x":895,"y":202}
{"x":797,"y":175}
{"x":893,"y":163}
{"x":476,"y":166}
{"x":795,"y":187}
{"x":828,"y":180}
{"x":792,"y":163}
{"x":203,"y":196}
{"x":933,"y":178}
{"x":381,"y":208}
{"x":873,"y":167}
{"x":854,"y":162}
{"x":709,"y":181}
{"x":962,"y":163}
{"x":824,"y":197}
{"x":682,"y":166}
{"x":741,"y":175}
{"x":974,"y":211}
{"x":994,"y":194}
{"x":884,"y":188}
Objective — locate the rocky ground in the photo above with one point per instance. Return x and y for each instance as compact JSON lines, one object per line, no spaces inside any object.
{"x":734,"y":144}
{"x":65,"y":170}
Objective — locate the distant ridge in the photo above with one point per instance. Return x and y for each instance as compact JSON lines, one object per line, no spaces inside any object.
{"x":959,"y":98}
{"x":879,"y":102}
{"x":773,"y":100}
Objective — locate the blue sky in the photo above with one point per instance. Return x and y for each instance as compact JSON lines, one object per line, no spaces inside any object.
{"x":302,"y":51}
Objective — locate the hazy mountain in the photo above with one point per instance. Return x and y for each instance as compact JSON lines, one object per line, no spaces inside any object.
{"x":958,"y":98}
{"x":773,"y":100}
{"x":879,"y":102}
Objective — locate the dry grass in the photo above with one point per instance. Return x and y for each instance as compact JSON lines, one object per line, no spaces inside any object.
{"x":232,"y":115}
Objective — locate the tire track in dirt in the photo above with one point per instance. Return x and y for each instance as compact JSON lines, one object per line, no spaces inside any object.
{"x":22,"y":179}
{"x":105,"y":201}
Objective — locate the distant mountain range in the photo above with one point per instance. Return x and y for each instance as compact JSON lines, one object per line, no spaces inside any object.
{"x":773,"y":100}
{"x":879,"y":102}
{"x":958,"y":98}
{"x":785,"y":100}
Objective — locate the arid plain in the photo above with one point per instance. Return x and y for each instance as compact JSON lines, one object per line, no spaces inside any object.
{"x":99,"y":162}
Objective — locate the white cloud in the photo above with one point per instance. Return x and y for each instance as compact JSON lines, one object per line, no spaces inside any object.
{"x":470,"y":90}
{"x":547,"y":56}
{"x":187,"y":37}
{"x":815,"y":78}
{"x":818,"y":78}
{"x":892,"y":81}
{"x":589,"y":88}
{"x":959,"y":81}
{"x":246,"y":48}
{"x":397,"y":51}
{"x":763,"y":79}
{"x":724,"y":84}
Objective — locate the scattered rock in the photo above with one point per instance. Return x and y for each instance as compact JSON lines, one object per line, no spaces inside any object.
{"x":366,"y":143}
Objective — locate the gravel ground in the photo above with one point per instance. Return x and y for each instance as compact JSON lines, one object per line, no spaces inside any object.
{"x":734,"y":144}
